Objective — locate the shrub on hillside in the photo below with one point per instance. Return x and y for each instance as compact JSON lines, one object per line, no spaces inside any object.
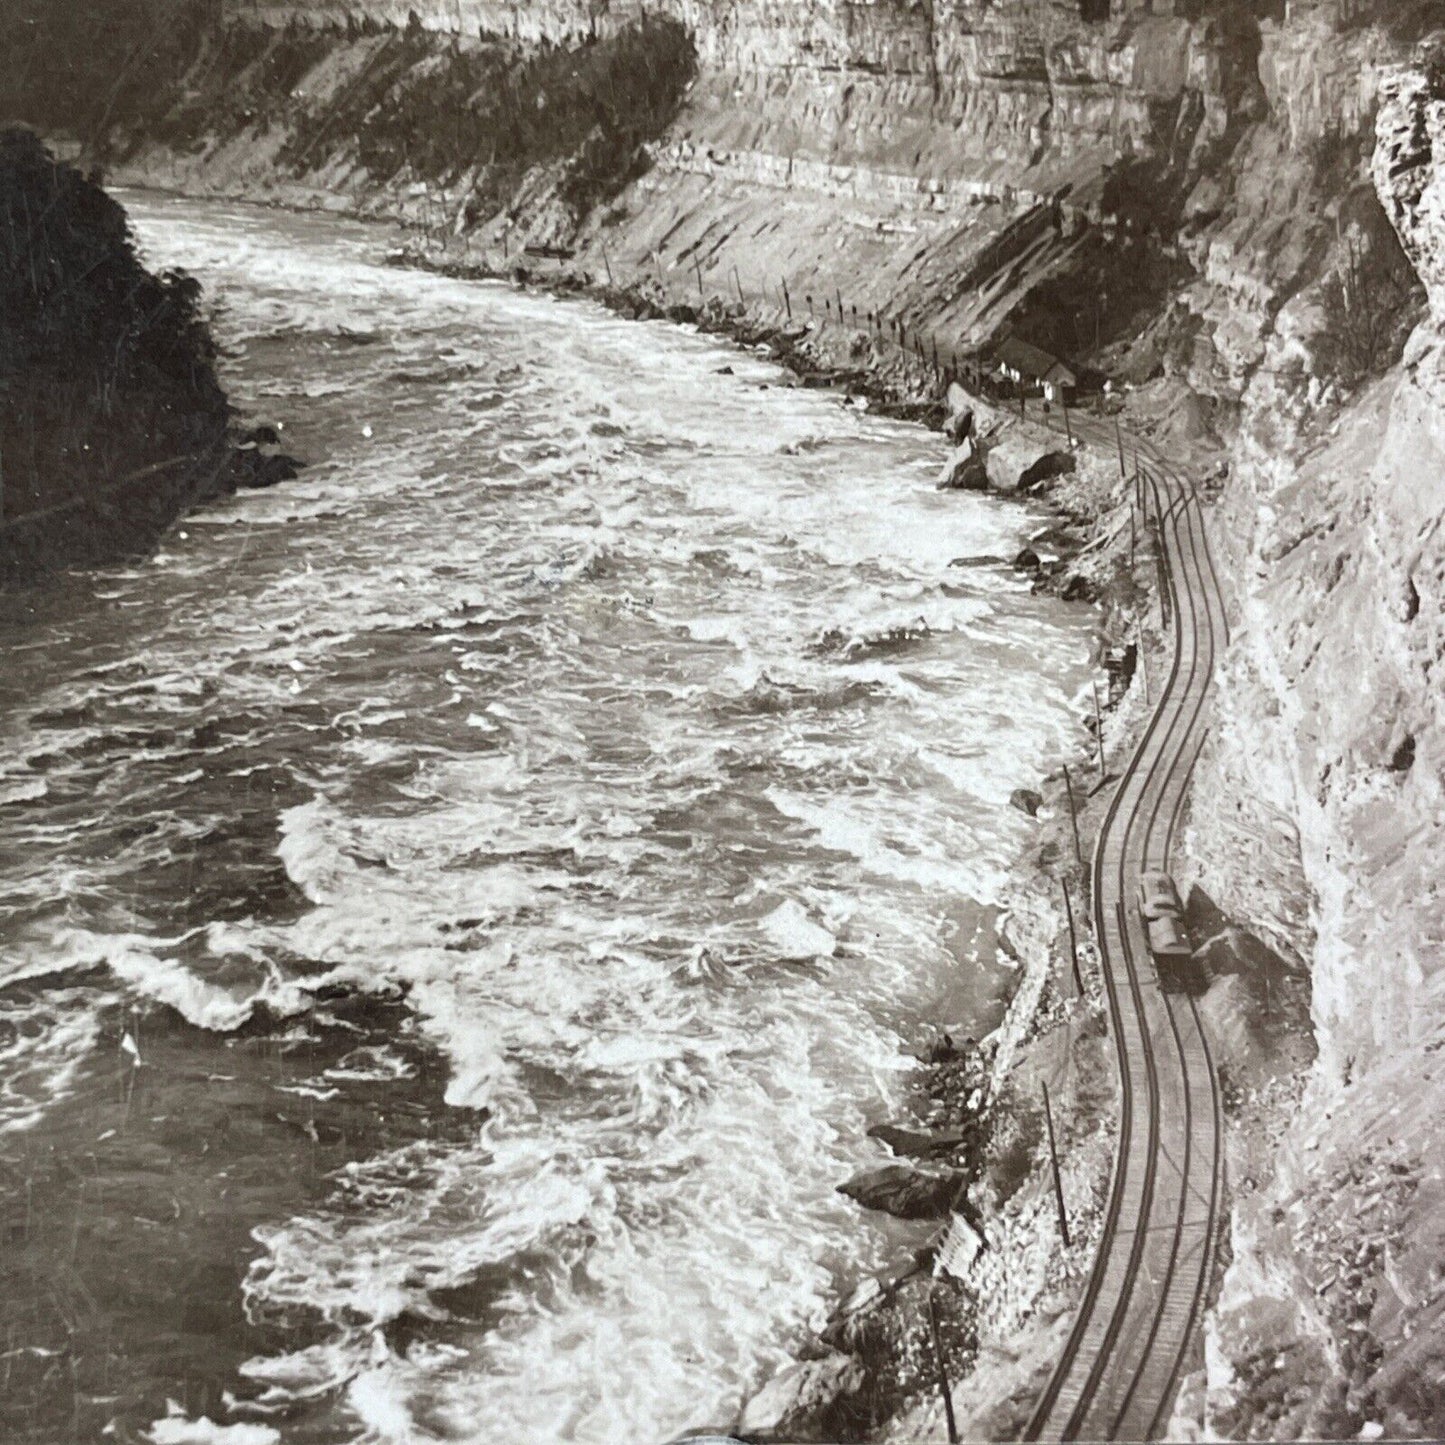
{"x":590,"y":106}
{"x":105,"y":369}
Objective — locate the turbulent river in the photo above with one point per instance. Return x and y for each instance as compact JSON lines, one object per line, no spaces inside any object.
{"x":520,"y":854}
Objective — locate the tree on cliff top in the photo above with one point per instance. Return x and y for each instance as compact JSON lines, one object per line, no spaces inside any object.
{"x":105,"y":369}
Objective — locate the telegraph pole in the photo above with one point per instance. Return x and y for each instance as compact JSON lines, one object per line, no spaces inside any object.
{"x":1058,"y":1178}
{"x":1073,"y":815}
{"x":942,"y":1374}
{"x":1073,"y":938}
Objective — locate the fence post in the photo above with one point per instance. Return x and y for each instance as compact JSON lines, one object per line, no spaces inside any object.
{"x":1073,"y":938}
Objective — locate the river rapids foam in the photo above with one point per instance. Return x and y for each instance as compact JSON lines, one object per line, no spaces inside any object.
{"x":623,"y":716}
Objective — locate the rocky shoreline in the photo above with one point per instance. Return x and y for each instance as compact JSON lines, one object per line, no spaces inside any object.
{"x":986,"y":1292}
{"x":973,"y":1149}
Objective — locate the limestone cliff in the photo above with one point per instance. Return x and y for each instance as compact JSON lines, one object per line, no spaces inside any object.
{"x":1328,"y":770}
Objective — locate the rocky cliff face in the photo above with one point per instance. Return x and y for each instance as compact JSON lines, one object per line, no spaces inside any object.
{"x":943,"y":163}
{"x":1328,"y":771}
{"x":112,"y":421}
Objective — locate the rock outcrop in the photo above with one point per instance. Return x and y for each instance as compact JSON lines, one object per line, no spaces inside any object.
{"x":112,"y":419}
{"x":1319,"y":815}
{"x":904,"y":1192}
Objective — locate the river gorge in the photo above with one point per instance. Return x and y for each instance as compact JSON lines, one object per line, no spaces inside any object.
{"x":506,"y":868}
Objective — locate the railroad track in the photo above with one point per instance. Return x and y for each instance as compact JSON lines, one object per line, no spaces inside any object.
{"x":1137,"y":1326}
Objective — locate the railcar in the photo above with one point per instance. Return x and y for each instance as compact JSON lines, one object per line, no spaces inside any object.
{"x":1163,"y":917}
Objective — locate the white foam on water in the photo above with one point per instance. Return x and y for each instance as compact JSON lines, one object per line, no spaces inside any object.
{"x":44,"y":1042}
{"x":630,"y":722}
{"x":795,"y":935}
{"x":201,"y":1003}
{"x":178,"y":1428}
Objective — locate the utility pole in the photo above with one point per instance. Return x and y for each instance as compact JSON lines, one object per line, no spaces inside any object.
{"x":1073,"y":815}
{"x":697,"y":267}
{"x":787,"y":300}
{"x":942,"y":1373}
{"x":1058,"y":1178}
{"x":1161,"y":572}
{"x":1099,"y":731}
{"x":1119,"y":437}
{"x":1073,"y":939}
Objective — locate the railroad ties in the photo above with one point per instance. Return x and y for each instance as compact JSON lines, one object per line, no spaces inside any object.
{"x":1136,"y":1330}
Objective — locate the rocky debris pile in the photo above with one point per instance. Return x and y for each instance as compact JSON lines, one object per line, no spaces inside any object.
{"x":875,"y":1357}
{"x":1360,"y":1277}
{"x":805,"y":1400}
{"x":950,"y":1102}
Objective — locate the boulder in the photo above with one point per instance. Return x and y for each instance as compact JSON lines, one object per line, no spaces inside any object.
{"x":904,"y":1192}
{"x":1026,"y":801}
{"x":1045,"y":469}
{"x":960,"y":426}
{"x":964,"y":471}
{"x":1028,"y":561}
{"x":795,"y":1403}
{"x":919,"y":1144}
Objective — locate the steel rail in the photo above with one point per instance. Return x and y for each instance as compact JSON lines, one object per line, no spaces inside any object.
{"x":1162,"y":714}
{"x":1151,"y":824}
{"x":1186,"y":1183}
{"x":1214,"y":596}
{"x":1122,"y":1413}
{"x":1201,"y":1131}
{"x":1168,"y":757}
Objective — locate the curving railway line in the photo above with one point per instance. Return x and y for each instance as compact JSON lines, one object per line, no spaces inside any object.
{"x":1136,"y":1327}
